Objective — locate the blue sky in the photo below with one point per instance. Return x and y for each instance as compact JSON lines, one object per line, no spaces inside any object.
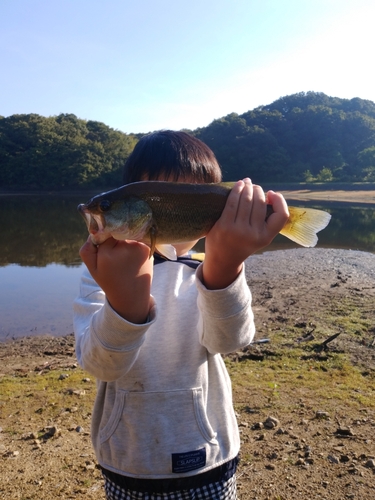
{"x":143,"y":65}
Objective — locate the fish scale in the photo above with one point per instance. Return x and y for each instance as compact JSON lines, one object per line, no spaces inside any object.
{"x":178,"y":215}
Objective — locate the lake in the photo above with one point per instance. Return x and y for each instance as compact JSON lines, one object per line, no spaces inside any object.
{"x":40,"y":267}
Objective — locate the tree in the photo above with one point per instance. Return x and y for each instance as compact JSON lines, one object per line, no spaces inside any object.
{"x":324,"y":175}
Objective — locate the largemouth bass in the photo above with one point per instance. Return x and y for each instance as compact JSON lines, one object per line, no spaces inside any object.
{"x":161,"y":213}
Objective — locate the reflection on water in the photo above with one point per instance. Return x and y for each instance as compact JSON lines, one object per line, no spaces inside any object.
{"x":40,"y":265}
{"x":40,"y":230}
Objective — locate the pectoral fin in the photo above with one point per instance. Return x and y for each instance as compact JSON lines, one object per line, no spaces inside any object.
{"x":167,"y":251}
{"x":152,"y":235}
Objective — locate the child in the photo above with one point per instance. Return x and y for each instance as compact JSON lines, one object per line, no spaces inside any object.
{"x":163,"y":424}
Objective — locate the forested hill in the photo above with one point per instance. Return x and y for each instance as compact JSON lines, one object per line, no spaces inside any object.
{"x":303,"y":137}
{"x":60,"y":151}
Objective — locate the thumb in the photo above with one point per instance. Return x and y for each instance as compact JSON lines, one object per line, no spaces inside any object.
{"x":89,"y":254}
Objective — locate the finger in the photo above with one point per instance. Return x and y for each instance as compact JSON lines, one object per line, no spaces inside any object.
{"x":231,"y":207}
{"x":89,"y":253}
{"x":245,"y":203}
{"x":259,"y":208}
{"x":141,"y":248}
{"x":123,"y":249}
{"x":108,"y":244}
{"x":276,"y":221}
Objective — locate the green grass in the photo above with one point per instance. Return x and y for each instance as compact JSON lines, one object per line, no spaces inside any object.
{"x":290,"y":378}
{"x":44,"y":395}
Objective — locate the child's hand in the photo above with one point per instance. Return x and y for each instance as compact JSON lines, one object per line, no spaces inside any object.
{"x":124,"y":271}
{"x":241,"y":231}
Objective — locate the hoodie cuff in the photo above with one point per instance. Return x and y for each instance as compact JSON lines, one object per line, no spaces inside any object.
{"x":225,"y":302}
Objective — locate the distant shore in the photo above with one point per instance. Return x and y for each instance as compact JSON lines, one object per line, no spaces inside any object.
{"x":339,"y":195}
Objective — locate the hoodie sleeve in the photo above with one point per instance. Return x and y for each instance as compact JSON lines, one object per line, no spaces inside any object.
{"x":226,"y":321}
{"x":106,"y":344}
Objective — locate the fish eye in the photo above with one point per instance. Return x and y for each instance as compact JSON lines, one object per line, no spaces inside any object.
{"x":104,"y":205}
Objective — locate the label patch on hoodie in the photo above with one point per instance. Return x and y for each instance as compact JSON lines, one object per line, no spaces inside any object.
{"x":191,"y":460}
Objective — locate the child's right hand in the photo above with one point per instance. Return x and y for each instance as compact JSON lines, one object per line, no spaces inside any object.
{"x":124,"y":272}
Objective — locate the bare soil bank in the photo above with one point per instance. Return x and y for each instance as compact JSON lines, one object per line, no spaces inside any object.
{"x":327,"y":195}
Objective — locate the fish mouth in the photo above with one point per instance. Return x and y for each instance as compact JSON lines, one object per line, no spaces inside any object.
{"x":94,"y":223}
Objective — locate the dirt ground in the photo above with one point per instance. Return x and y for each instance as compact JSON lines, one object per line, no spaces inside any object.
{"x":295,"y":444}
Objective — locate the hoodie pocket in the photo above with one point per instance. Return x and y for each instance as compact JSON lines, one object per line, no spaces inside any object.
{"x":145,"y":428}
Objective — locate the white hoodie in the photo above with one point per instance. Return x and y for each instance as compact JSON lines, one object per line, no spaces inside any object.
{"x":164,"y":404}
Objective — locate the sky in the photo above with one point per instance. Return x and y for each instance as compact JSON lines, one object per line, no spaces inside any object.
{"x":145,"y":65}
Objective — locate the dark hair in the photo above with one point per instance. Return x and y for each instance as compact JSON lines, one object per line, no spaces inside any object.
{"x":173,"y":156}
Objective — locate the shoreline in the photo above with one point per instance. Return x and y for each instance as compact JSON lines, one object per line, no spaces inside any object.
{"x":366,"y":197}
{"x":291,"y":266}
{"x":338,"y":195}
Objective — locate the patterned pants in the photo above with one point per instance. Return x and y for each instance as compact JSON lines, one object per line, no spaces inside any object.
{"x":221,"y":490}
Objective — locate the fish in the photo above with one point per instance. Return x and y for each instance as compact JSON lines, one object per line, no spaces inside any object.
{"x":161,"y":213}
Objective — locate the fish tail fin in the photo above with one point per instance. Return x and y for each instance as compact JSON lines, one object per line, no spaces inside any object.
{"x":303,"y":224}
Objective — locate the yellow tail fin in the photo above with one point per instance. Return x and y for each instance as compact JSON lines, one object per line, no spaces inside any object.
{"x":303,"y":224}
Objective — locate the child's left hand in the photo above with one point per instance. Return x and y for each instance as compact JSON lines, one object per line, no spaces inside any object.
{"x":241,"y":231}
